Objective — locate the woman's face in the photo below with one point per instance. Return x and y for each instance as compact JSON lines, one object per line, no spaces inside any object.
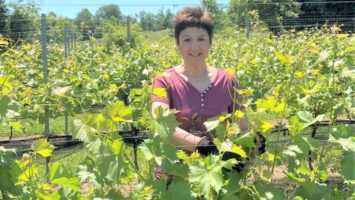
{"x":194,"y":45}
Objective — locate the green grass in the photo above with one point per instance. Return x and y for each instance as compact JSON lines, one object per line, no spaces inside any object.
{"x":156,"y":35}
{"x":69,"y":158}
{"x":33,"y":127}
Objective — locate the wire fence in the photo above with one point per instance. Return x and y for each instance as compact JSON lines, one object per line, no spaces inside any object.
{"x":67,"y":35}
{"x":176,"y":4}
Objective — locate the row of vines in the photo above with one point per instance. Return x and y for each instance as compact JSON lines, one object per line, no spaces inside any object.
{"x":292,"y":80}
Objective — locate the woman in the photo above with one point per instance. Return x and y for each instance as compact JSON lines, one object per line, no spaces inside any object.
{"x":195,"y":90}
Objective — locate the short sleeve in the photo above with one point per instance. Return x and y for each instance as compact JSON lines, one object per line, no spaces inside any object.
{"x":161,"y":90}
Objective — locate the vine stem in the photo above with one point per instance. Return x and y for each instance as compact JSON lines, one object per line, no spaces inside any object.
{"x":335,"y":48}
{"x":279,"y":121}
{"x":132,"y":164}
{"x":322,"y":151}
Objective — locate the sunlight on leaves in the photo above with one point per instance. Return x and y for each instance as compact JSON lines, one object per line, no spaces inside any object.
{"x":61,"y":91}
{"x":266,"y":127}
{"x":119,"y":112}
{"x":42,"y":147}
{"x":160,"y":92}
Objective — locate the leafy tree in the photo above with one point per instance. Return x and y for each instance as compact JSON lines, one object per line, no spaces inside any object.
{"x":85,"y":23}
{"x":151,"y":22}
{"x":320,"y":13}
{"x":164,"y":19}
{"x":105,"y":14}
{"x":340,"y":7}
{"x":272,"y":12}
{"x":3,"y":17}
{"x":147,"y":20}
{"x":216,"y":11}
{"x":115,"y":34}
{"x":108,"y":12}
{"x":325,"y":6}
{"x":55,"y":27}
{"x":23,"y":22}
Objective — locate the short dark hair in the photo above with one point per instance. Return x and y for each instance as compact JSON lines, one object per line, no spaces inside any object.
{"x":192,"y":17}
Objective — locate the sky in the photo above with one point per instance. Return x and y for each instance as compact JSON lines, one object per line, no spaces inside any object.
{"x":69,"y":8}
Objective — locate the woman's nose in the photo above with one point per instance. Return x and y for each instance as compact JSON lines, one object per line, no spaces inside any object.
{"x":195,"y":45}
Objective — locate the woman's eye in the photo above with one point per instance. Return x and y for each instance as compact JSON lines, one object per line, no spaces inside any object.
{"x":187,"y":40}
{"x":201,"y":39}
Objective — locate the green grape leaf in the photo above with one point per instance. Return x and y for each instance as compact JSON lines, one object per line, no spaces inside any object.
{"x":146,"y":147}
{"x":266,"y":104}
{"x":117,"y":146}
{"x":42,"y":147}
{"x":304,"y":143}
{"x":165,"y":123}
{"x":54,"y":170}
{"x":182,"y":155}
{"x":68,"y":193}
{"x":347,"y":166}
{"x":207,"y":175}
{"x":118,"y":112}
{"x":232,"y":183}
{"x":212,"y":123}
{"x":294,"y":178}
{"x":169,"y":151}
{"x":28,"y":174}
{"x":179,"y":190}
{"x":45,"y":152}
{"x":312,"y":190}
{"x":246,"y":140}
{"x":238,"y":150}
{"x":266,"y":127}
{"x":8,"y":107}
{"x":305,"y":116}
{"x":268,"y":191}
{"x":295,"y":148}
{"x":110,"y":167}
{"x":98,"y":148}
{"x":220,"y":131}
{"x":295,"y":126}
{"x":10,"y":171}
{"x":284,"y":58}
{"x":280,"y":107}
{"x":342,"y":131}
{"x":87,"y":176}
{"x":72,"y":183}
{"x":303,"y":169}
{"x":348,"y":144}
{"x":82,"y":131}
{"x":267,"y":156}
{"x":16,"y":125}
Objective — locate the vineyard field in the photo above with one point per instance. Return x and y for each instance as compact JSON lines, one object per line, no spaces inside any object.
{"x":297,"y":85}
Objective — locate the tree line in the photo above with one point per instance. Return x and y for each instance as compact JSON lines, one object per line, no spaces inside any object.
{"x":23,"y":22}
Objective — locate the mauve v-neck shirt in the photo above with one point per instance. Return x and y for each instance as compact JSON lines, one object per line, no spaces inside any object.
{"x":195,"y":107}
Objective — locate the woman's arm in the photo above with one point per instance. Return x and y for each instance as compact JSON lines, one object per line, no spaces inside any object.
{"x":181,"y":138}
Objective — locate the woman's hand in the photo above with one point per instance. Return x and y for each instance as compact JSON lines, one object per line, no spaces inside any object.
{"x":207,"y":147}
{"x":238,"y":167}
